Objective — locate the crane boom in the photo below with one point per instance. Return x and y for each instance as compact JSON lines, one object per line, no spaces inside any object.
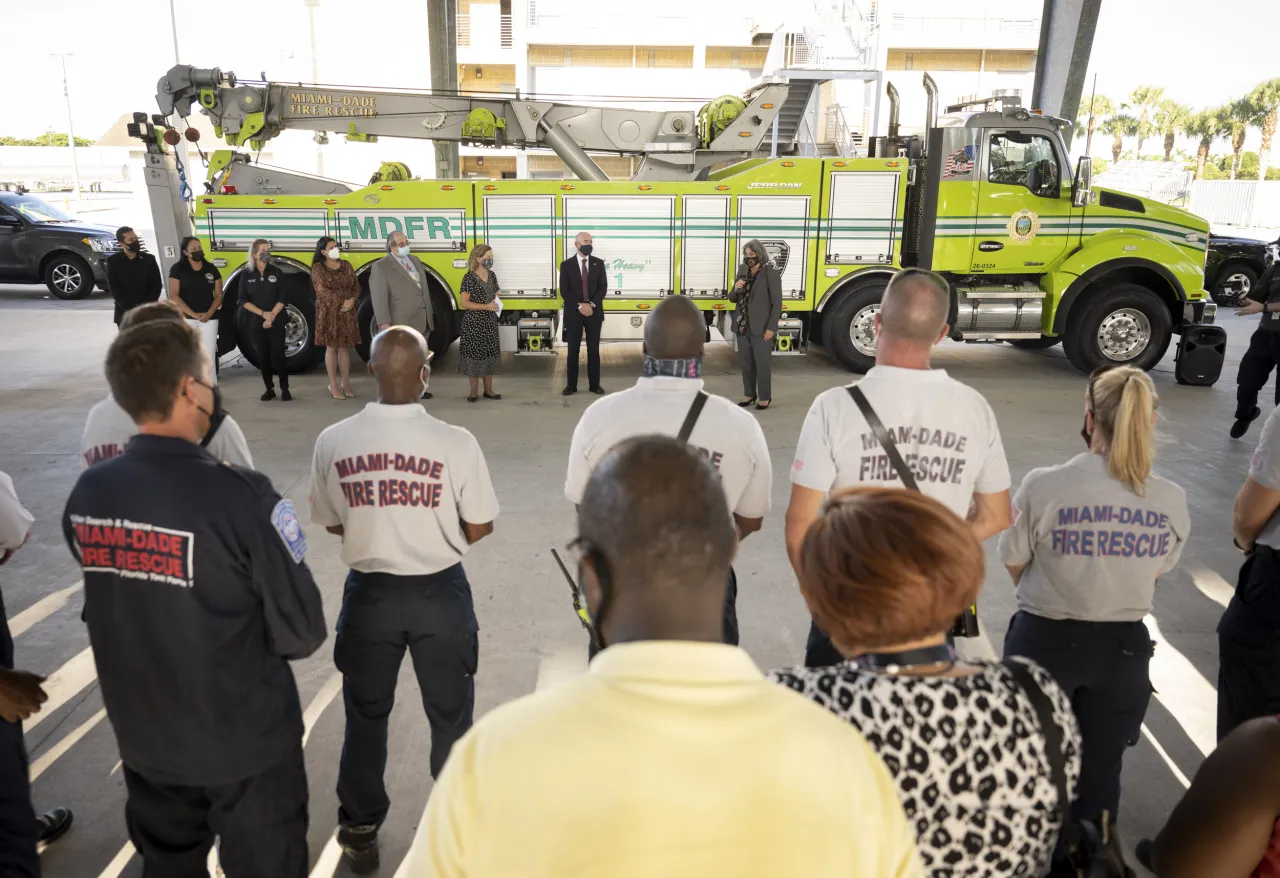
{"x":676,"y":144}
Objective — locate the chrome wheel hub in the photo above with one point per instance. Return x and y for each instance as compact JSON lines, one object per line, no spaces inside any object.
{"x":1124,"y":334}
{"x":862,"y":332}
{"x":296,"y":331}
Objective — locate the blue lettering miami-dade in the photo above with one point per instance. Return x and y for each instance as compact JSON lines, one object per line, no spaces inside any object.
{"x":1071,"y":539}
{"x":941,"y":459}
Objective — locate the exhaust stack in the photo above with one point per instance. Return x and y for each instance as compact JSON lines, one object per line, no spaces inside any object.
{"x":893,"y":111}
{"x":931,"y":111}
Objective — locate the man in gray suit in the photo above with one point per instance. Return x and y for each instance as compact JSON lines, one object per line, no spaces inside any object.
{"x":398,"y":288}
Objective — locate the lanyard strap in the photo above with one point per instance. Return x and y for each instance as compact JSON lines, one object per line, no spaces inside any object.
{"x":686,"y":429}
{"x":882,"y":435}
{"x":893,"y":662}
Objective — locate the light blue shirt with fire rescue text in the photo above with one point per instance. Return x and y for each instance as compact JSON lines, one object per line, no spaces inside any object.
{"x":1092,"y":548}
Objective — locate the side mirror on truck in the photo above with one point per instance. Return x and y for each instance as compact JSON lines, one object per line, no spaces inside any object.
{"x":1083,"y":186}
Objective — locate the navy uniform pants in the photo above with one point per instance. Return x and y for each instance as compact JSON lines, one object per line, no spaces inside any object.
{"x":382,"y":616}
{"x":1249,"y":644}
{"x":18,"y":856}
{"x":261,"y":820}
{"x":1255,"y":368}
{"x":1104,"y":669}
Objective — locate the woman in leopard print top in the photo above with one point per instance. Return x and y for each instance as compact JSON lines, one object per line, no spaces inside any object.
{"x":887,"y":571}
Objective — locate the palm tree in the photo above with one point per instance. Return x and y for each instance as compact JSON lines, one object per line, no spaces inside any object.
{"x":1169,"y":119}
{"x":1205,"y":126}
{"x":1266,"y":100}
{"x":1119,"y":126}
{"x":1239,"y":116}
{"x":1092,"y":112}
{"x":1145,"y":98}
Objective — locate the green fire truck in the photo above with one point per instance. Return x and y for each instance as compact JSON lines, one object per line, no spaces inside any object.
{"x":985,"y":197}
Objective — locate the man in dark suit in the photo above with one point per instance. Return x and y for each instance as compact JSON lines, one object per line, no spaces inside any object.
{"x":583,"y":283}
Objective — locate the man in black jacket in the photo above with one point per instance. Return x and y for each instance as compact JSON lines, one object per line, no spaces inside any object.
{"x":1264,"y":351}
{"x":583,"y":284}
{"x":196,"y":599}
{"x":133,"y":277}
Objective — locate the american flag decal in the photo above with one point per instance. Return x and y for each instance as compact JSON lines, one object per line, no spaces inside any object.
{"x":959,"y":162}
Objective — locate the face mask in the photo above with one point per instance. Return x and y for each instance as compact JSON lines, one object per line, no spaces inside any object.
{"x":332,"y":252}
{"x":1086,"y":434}
{"x":216,"y":417}
{"x":487,"y":263}
{"x":426,"y":378}
{"x":403,"y":252}
{"x":691,"y":368}
{"x":585,"y":249}
{"x":752,"y":261}
{"x":197,"y":256}
{"x":264,"y":256}
{"x":133,"y":247}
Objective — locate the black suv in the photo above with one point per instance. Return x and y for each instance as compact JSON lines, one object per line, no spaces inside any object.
{"x":39,"y":243}
{"x":1234,"y":265}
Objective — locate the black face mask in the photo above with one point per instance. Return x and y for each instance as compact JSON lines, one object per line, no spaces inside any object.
{"x":1086,"y":434}
{"x":585,"y":249}
{"x":216,"y":417}
{"x":197,"y":256}
{"x":752,"y":261}
{"x":133,"y":247}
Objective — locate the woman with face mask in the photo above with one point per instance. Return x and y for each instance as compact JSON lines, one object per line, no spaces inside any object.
{"x":478,"y":349}
{"x":262,"y":296}
{"x":1090,"y":539}
{"x":337,"y":295}
{"x":195,"y":288}
{"x":757,"y":294}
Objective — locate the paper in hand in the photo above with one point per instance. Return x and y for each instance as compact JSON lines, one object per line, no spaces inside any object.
{"x":498,"y":299}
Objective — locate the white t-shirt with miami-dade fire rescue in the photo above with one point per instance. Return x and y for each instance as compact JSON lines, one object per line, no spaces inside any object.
{"x":728,"y":437}
{"x":944,"y":430}
{"x":400,"y":482}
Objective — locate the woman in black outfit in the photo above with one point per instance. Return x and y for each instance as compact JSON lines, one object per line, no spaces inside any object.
{"x":479,"y":352}
{"x":263,"y":297}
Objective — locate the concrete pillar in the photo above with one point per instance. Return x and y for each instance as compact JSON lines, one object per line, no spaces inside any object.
{"x":1066,"y":39}
{"x":442,"y":28}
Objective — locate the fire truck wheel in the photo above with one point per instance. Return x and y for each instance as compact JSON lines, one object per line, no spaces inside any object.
{"x":1119,"y":325}
{"x":847,"y":327}
{"x":438,"y":340}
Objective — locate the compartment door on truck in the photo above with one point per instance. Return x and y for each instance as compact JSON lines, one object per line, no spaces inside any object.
{"x":781,"y":223}
{"x":704,"y":237}
{"x":521,"y":229}
{"x":1024,"y":210}
{"x":288,"y":230}
{"x":633,"y":234}
{"x":862,"y":219}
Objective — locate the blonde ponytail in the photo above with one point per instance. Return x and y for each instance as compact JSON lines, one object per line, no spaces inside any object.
{"x":1124,"y":405}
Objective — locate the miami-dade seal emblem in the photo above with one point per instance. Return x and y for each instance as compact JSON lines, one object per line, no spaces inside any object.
{"x":1023,"y":226}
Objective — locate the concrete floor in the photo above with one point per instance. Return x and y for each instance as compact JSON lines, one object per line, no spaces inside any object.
{"x":52,"y":353}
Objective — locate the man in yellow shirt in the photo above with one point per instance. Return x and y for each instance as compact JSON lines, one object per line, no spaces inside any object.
{"x":673,"y":756}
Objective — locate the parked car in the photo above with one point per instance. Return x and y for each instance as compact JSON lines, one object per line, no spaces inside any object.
{"x":40,"y":243}
{"x":1233,"y":266}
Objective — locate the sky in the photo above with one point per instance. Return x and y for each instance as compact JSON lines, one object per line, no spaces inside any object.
{"x":1203,"y":53}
